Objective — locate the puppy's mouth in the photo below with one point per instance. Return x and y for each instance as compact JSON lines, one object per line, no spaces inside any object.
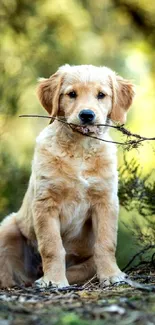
{"x":87,"y":129}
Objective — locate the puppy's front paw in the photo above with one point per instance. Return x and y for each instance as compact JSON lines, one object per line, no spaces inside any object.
{"x":116,"y":278}
{"x":45,"y":282}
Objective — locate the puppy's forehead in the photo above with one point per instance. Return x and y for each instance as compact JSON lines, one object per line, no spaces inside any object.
{"x":85,"y":74}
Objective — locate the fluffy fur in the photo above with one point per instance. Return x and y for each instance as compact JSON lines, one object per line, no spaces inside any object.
{"x":66,"y":228}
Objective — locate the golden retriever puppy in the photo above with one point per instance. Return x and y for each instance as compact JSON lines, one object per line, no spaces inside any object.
{"x":66,"y":228}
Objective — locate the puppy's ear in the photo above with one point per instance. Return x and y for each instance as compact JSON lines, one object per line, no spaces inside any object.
{"x":123,"y":94}
{"x":49,"y":93}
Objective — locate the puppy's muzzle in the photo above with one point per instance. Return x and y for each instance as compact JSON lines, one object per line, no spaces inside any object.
{"x":87,"y":116}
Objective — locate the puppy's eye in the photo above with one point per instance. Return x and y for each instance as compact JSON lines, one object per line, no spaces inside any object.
{"x":72,"y":94}
{"x":100,"y":95}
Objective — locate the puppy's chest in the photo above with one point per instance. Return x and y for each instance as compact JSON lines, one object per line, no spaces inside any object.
{"x":87,"y":175}
{"x":88,"y":179}
{"x":83,"y":187}
{"x":76,"y":204}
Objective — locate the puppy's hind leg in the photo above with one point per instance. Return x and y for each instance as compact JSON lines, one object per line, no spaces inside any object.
{"x":82,"y":272}
{"x":11,"y":253}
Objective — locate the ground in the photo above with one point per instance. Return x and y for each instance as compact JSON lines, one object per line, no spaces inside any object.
{"x":123,"y":305}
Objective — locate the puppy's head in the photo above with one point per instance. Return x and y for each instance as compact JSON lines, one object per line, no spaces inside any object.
{"x":86,"y":95}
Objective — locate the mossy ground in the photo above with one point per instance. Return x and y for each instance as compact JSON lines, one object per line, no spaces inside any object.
{"x":120,"y":305}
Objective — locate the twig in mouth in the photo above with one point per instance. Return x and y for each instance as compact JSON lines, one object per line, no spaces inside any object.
{"x":128,"y":144}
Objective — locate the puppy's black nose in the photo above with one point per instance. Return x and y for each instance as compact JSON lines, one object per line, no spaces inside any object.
{"x":87,"y":116}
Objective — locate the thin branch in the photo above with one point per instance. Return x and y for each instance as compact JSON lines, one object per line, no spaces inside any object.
{"x":140,"y":286}
{"x":89,"y":282}
{"x":129,"y":143}
{"x":72,"y":126}
{"x":142,"y":251}
{"x":36,"y":115}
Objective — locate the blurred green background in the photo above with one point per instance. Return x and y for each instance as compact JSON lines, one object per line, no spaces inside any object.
{"x":36,"y":37}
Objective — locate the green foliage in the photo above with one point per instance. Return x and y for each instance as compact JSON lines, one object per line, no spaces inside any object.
{"x":13,"y":184}
{"x":137,"y":197}
{"x":135,"y":190}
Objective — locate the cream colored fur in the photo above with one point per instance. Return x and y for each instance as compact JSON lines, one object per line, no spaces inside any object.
{"x":70,"y":210}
